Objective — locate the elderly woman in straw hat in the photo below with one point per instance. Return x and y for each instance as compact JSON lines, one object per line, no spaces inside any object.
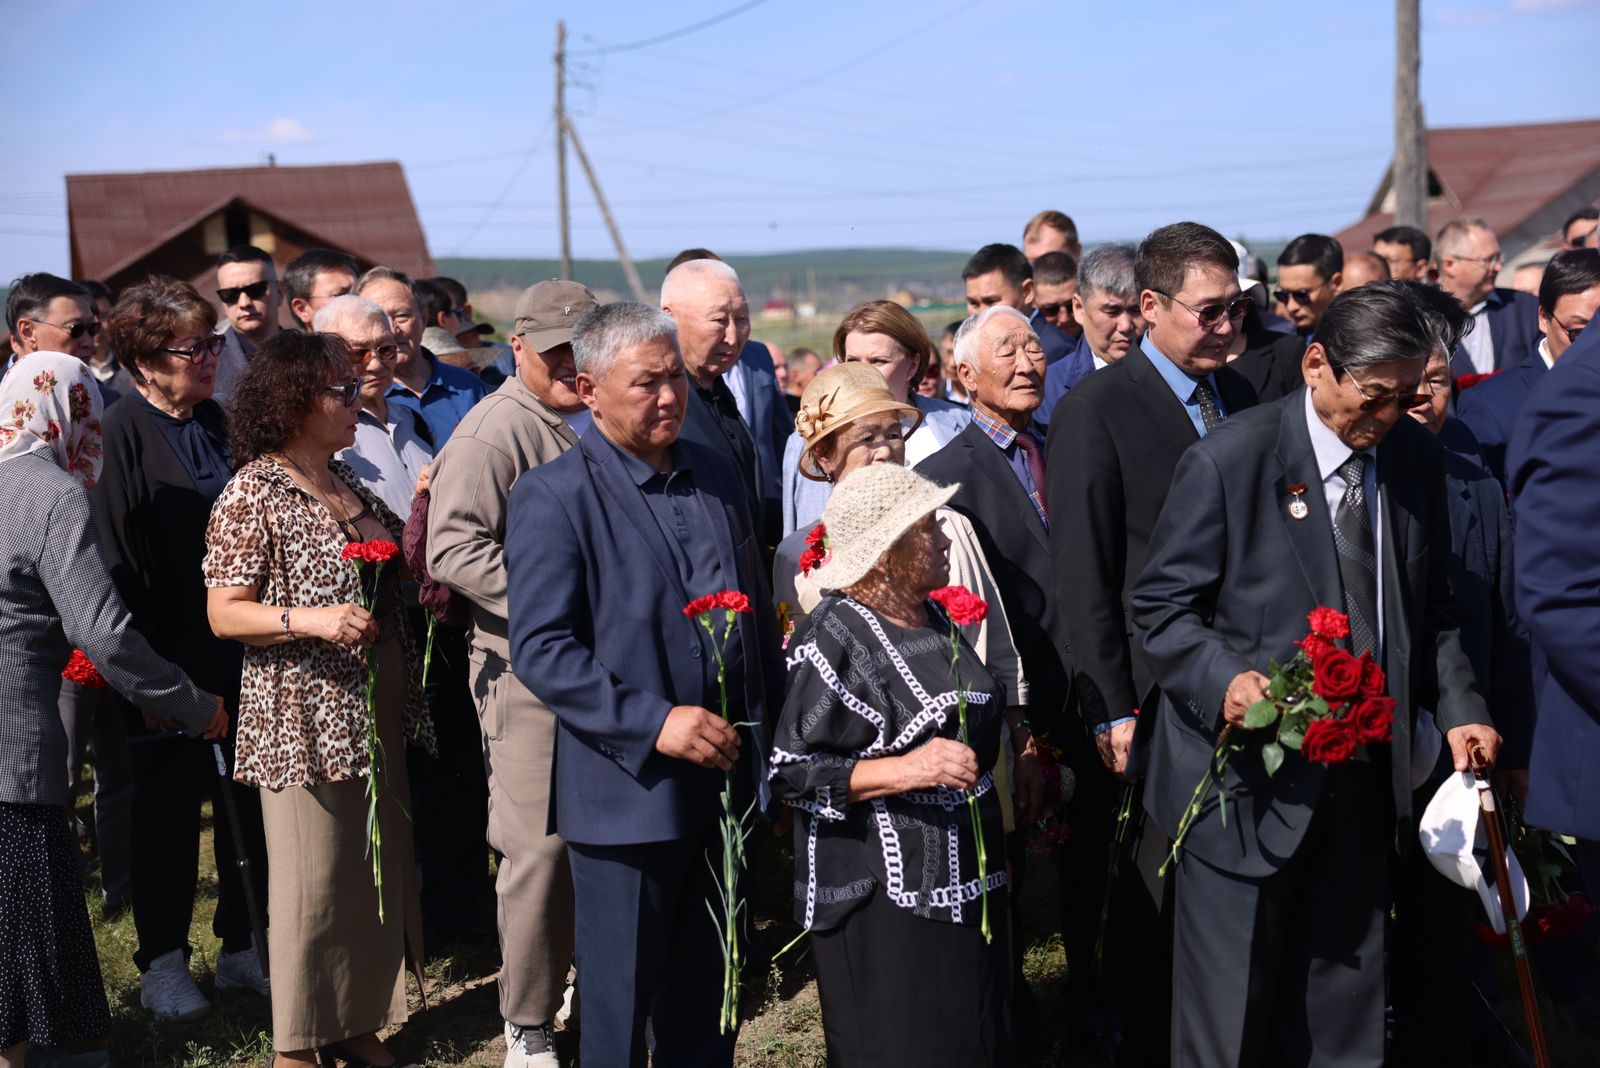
{"x":867,"y":751}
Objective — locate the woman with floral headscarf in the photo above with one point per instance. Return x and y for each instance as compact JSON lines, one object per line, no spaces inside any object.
{"x":55,"y":595}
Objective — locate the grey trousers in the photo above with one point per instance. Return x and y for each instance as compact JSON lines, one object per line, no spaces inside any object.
{"x":534,"y":887}
{"x":93,"y":722}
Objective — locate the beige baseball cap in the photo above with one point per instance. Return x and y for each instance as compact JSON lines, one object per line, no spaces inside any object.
{"x":546,"y":312}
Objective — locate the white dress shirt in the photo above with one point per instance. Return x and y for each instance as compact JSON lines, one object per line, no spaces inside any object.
{"x":1331,"y":454}
{"x":1479,"y":342}
{"x":389,"y":457}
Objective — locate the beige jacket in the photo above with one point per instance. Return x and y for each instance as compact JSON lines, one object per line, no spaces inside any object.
{"x":505,"y":434}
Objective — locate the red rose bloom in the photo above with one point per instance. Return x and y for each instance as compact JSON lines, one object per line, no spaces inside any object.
{"x":1372,"y":718}
{"x":1316,"y":647}
{"x":82,"y":671}
{"x":1338,"y":677}
{"x":964,"y":607}
{"x":1373,"y":681}
{"x":1329,"y":623}
{"x":1329,"y":741}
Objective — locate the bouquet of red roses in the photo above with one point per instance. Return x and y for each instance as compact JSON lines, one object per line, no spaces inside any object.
{"x":81,"y":670}
{"x":1325,"y":704}
{"x":375,"y":553}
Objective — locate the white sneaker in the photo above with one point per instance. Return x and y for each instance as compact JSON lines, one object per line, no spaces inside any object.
{"x":242,"y":971}
{"x":530,"y":1047}
{"x":167,"y":989}
{"x":568,"y":1016}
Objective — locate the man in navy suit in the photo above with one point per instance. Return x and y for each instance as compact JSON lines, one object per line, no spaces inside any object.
{"x":1569,"y":295}
{"x":1001,"y":274}
{"x":754,"y":384}
{"x":1106,"y":306}
{"x":1551,"y":469}
{"x":1467,"y":256}
{"x":608,"y":543}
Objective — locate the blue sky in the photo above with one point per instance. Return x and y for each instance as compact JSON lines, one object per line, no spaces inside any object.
{"x":935,"y":124}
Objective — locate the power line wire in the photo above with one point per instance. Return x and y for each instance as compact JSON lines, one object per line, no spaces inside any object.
{"x":606,"y":50}
{"x":505,"y":190}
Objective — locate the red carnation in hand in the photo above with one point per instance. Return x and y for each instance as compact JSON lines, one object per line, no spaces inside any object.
{"x":818,"y":538}
{"x":732,"y":600}
{"x":1329,"y":741}
{"x":1372,"y":719}
{"x":1316,"y":647}
{"x":1337,"y":677}
{"x":1373,"y":681}
{"x":1329,"y":623}
{"x":377,"y":551}
{"x":964,"y":607}
{"x":82,"y":671}
{"x":353,"y":551}
{"x":816,"y":553}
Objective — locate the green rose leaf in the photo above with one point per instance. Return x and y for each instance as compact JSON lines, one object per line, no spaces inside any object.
{"x":1263,"y":713}
{"x":1272,"y":757}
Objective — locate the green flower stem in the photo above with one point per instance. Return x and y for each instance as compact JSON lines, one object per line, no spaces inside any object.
{"x":733,"y":837}
{"x":374,"y":744}
{"x":972,"y":797}
{"x":1219,"y":761}
{"x":1124,"y":814}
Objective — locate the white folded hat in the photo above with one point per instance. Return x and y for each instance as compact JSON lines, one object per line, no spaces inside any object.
{"x":1453,"y":836}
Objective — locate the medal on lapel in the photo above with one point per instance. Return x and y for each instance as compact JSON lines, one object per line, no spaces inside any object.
{"x":1298,"y":508}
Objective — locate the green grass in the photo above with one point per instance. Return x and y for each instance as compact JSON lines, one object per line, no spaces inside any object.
{"x":461,"y":1026}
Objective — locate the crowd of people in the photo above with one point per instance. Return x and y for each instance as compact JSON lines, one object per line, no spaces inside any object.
{"x":424,"y":596}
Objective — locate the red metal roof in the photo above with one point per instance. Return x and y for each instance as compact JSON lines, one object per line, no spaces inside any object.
{"x":1504,"y":173}
{"x":363,"y":208}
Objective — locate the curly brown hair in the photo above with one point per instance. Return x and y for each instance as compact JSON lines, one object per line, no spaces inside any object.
{"x":887,"y":317}
{"x":281,"y":383}
{"x":151,"y":314}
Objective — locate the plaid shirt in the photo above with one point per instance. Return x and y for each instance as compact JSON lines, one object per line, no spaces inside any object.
{"x":1006,"y":438}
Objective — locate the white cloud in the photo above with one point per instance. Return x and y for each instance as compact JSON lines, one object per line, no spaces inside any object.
{"x":276,"y":132}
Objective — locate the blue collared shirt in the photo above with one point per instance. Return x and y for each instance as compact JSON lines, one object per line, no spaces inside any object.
{"x":448,"y":396}
{"x":1183,"y":384}
{"x":1006,"y":439}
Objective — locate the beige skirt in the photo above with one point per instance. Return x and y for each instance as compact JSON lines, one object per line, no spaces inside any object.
{"x":337,"y":971}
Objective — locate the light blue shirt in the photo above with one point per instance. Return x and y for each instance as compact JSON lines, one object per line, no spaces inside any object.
{"x":1183,"y":384}
{"x":389,"y":457}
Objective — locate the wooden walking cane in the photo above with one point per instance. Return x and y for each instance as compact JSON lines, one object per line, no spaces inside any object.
{"x":241,"y":860}
{"x":1508,"y":906}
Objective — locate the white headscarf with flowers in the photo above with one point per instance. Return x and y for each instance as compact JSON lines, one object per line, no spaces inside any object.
{"x":49,"y":401}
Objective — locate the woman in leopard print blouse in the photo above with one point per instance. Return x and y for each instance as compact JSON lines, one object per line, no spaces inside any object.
{"x":278,"y":584}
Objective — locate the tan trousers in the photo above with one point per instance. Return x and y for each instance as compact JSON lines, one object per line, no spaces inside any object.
{"x":534,"y":887}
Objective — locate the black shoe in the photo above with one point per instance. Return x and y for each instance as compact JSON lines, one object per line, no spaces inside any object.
{"x":330,"y":1055}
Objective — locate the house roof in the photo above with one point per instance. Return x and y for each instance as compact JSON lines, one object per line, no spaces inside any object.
{"x":1507,"y":174}
{"x":364,"y":208}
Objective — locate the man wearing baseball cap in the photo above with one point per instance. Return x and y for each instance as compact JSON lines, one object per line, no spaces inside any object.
{"x":531,"y":419}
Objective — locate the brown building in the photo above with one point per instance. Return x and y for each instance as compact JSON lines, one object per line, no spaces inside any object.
{"x":1523,"y":180}
{"x":124,"y":227}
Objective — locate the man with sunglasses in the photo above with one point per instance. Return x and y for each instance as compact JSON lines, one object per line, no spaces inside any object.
{"x":1310,"y":271}
{"x":1114,"y":442}
{"x":1506,"y":323}
{"x":46,"y":313}
{"x":247,"y":286}
{"x":1582,"y":228}
{"x":1332,"y":496}
{"x":1569,"y":297}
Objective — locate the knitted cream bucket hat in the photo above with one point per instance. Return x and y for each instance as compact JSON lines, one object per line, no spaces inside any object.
{"x":867,"y":513}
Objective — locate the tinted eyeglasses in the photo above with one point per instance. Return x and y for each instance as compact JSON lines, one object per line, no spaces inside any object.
{"x":1051,"y":311}
{"x":347,"y":393}
{"x":255,"y":291}
{"x":209,"y":346}
{"x":1301,"y":297}
{"x":73,"y":330}
{"x":1212,"y":314}
{"x":1400,"y":398}
{"x":386,"y":353}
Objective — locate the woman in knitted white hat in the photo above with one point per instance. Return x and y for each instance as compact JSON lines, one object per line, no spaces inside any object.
{"x":866,"y":751}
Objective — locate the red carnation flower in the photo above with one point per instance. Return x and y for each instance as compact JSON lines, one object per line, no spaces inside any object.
{"x":732,"y":600}
{"x":810,"y":559}
{"x":82,"y":671}
{"x":818,"y":538}
{"x":352,"y":551}
{"x":1329,"y":623}
{"x":1329,"y":741}
{"x":964,"y":607}
{"x":1337,"y":676}
{"x":1316,"y":647}
{"x":1372,"y":719}
{"x":380,"y":551}
{"x":1373,"y":681}
{"x":1467,"y":381}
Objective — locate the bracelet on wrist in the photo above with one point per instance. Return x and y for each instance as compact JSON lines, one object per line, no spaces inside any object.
{"x":284,"y":619}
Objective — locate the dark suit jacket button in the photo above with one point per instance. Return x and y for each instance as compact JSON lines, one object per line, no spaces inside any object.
{"x":694,"y":651}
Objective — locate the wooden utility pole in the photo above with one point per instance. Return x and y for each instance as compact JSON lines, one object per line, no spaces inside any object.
{"x":623,"y":258}
{"x":1409,"y":179}
{"x":561,"y":148}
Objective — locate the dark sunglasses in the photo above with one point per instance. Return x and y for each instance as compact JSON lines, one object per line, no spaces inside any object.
{"x":255,"y":291}
{"x":1402,"y":399}
{"x":1212,"y":314}
{"x":346,"y":393}
{"x":209,"y":347}
{"x":386,"y":353}
{"x":76,"y":330}
{"x":1050,"y":311}
{"x":1299,"y":296}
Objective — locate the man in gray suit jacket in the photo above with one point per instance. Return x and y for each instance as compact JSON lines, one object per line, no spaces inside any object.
{"x":1330,"y":496}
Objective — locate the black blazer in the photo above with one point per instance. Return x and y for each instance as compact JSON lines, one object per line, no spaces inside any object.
{"x":1513,"y":319}
{"x":702,"y":426}
{"x":1114,"y":443}
{"x":1230,"y":580}
{"x":1270,"y":362}
{"x":1018,"y":550}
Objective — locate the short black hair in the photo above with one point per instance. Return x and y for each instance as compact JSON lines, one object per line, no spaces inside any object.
{"x":951,"y":329}
{"x":691,"y":254}
{"x":32,"y":293}
{"x":1007,"y":259}
{"x":300,"y":274}
{"x":1449,"y":320}
{"x":457,"y":291}
{"x":1314,"y":250}
{"x":1576,"y":270}
{"x":1377,"y":323}
{"x":1167,"y":254}
{"x":1419,"y":243}
{"x":1589,"y":212}
{"x":433,"y":298}
{"x":1055,"y":269}
{"x":247,"y":254}
{"x":98,"y":291}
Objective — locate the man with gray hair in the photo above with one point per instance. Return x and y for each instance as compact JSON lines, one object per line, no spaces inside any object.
{"x":390,"y":454}
{"x":1106,"y":307}
{"x":609,"y":542}
{"x":1467,"y":256}
{"x":534,"y":417}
